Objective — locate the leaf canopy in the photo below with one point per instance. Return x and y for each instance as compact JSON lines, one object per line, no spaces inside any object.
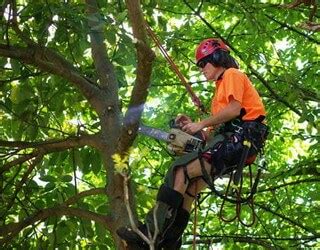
{"x":67,"y":65}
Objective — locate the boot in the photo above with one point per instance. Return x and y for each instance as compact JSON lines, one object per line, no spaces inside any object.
{"x":168,"y":202}
{"x":172,"y":240}
{"x":132,"y":239}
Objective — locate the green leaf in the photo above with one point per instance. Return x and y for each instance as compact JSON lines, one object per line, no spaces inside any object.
{"x":49,"y":186}
{"x":48,"y":178}
{"x":66,"y":178}
{"x":62,"y":232}
{"x":100,"y":231}
{"x":96,"y":163}
{"x":39,"y":204}
{"x":56,"y":90}
{"x":111,"y":37}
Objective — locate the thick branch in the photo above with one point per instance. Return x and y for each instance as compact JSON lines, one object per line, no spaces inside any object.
{"x":99,"y":53}
{"x":144,"y":68}
{"x":49,"y":61}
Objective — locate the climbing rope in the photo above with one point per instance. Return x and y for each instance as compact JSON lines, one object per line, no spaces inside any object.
{"x":195,"y":216}
{"x":236,"y":198}
{"x":239,"y":201}
{"x":194,"y":97}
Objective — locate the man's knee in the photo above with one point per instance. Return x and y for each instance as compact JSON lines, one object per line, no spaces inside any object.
{"x":194,"y":168}
{"x":181,"y":179}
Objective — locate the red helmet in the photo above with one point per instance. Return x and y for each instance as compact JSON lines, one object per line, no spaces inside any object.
{"x":208,"y":46}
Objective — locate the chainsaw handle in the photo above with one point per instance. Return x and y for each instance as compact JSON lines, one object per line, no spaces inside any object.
{"x":180,"y":121}
{"x":181,"y":142}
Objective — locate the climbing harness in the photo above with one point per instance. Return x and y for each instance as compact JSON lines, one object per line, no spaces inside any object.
{"x":194,"y":97}
{"x":234,"y":190}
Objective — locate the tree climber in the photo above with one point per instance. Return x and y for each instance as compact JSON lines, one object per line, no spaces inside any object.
{"x":237,"y":112}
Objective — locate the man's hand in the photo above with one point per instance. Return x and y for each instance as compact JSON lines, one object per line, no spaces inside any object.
{"x":192,"y":128}
{"x":231,"y":111}
{"x":182,"y":120}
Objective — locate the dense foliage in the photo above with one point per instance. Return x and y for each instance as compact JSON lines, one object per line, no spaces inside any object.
{"x":75,"y":82}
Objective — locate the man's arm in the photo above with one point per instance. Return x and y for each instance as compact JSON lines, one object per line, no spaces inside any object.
{"x":231,"y":111}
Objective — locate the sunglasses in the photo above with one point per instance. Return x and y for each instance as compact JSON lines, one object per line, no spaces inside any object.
{"x":202,"y":63}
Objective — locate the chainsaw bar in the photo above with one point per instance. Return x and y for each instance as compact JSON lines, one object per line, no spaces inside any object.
{"x":154,"y":133}
{"x":179,"y":142}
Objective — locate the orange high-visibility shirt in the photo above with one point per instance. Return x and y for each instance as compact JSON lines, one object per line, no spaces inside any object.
{"x":236,"y":85}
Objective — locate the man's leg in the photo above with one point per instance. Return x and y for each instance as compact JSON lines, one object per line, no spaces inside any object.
{"x":173,"y":237}
{"x":192,"y":170}
{"x":162,"y":216}
{"x":169,"y":205}
{"x":193,"y":189}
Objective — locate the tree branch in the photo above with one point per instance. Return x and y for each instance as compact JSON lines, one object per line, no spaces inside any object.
{"x":49,"y":61}
{"x":289,"y":184}
{"x":47,"y":147}
{"x":55,"y":145}
{"x":302,"y":168}
{"x":83,"y":194}
{"x":285,"y":25}
{"x":144,"y":69}
{"x":17,"y":161}
{"x":273,"y":93}
{"x":2,"y":82}
{"x":14,"y":228}
{"x":102,"y":63}
{"x":290,"y":220}
{"x":11,"y":230}
{"x":15,"y":25}
{"x":23,"y":180}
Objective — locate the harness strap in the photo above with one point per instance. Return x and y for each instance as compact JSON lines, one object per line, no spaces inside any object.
{"x":242,"y":162}
{"x":205,"y":176}
{"x":186,"y":175}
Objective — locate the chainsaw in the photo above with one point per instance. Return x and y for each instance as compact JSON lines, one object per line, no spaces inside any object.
{"x":179,"y":142}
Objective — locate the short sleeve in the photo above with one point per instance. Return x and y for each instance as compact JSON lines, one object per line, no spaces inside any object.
{"x":233,"y":86}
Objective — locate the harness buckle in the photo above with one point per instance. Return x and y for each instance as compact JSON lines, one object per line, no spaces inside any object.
{"x":238,"y":129}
